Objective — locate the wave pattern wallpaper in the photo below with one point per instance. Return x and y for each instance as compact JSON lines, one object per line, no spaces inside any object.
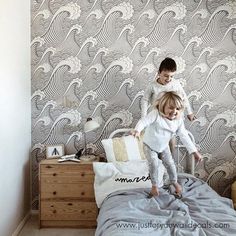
{"x":94,"y":58}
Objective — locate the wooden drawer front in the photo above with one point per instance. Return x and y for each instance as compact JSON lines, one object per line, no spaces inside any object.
{"x":83,"y":224}
{"x":68,"y":210}
{"x":73,"y":178}
{"x":84,"y":192}
{"x":67,"y":173}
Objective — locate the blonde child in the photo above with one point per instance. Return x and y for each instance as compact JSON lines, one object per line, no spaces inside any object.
{"x":161,"y":124}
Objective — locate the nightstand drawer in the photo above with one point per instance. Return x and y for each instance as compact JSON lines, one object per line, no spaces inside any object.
{"x":83,"y":192}
{"x":73,"y":178}
{"x":67,"y":173}
{"x":53,"y":210}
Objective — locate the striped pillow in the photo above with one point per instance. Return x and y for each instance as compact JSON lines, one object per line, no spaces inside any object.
{"x":125,"y":148}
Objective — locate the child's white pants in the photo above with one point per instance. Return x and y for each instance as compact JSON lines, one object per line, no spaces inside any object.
{"x":156,"y":168}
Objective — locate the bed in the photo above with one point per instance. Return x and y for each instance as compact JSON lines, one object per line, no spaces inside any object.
{"x":122,"y":190}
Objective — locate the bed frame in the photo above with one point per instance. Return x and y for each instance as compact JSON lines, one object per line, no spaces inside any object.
{"x":190,"y":161}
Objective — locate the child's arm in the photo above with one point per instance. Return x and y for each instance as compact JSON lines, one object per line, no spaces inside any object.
{"x":146,"y":100}
{"x":144,"y":122}
{"x":190,"y":115}
{"x":197,"y":156}
{"x":187,"y":142}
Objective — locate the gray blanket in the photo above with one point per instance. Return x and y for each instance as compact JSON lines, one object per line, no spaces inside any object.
{"x":200,"y":211}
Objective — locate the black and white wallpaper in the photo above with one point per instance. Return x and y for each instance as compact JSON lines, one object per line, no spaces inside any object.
{"x":94,"y":58}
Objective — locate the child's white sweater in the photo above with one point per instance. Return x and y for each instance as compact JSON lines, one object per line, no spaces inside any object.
{"x":155,"y":90}
{"x":159,"y":131}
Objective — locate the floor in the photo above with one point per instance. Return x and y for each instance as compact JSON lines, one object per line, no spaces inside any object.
{"x":31,"y":229}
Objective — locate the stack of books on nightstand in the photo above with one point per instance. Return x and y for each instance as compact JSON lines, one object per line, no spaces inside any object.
{"x":68,"y":158}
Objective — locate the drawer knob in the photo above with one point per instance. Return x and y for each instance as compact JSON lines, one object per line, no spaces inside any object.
{"x":83,"y":211}
{"x":70,"y":204}
{"x":48,"y":167}
{"x":54,"y":174}
{"x":82,"y":193}
{"x":83,"y":174}
{"x":54,"y":193}
{"x":54,"y":211}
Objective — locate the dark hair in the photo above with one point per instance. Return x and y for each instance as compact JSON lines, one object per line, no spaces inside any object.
{"x":168,"y":64}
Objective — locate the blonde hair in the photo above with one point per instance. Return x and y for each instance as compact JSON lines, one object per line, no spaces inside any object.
{"x":170,"y":98}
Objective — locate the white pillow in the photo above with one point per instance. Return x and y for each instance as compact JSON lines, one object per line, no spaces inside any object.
{"x":110,"y":177}
{"x":125,"y":148}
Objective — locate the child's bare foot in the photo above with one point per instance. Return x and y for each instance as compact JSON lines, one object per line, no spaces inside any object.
{"x":154,"y":191}
{"x":178,"y":188}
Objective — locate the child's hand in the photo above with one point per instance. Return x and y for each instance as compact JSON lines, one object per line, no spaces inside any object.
{"x":191,"y":117}
{"x":197,"y":156}
{"x":135,"y":133}
{"x":154,"y":192}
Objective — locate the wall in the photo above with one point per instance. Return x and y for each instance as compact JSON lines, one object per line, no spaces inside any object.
{"x":95,"y":58}
{"x":15,"y":114}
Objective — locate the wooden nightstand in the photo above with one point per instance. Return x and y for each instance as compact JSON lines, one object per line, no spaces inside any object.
{"x":66,"y":194}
